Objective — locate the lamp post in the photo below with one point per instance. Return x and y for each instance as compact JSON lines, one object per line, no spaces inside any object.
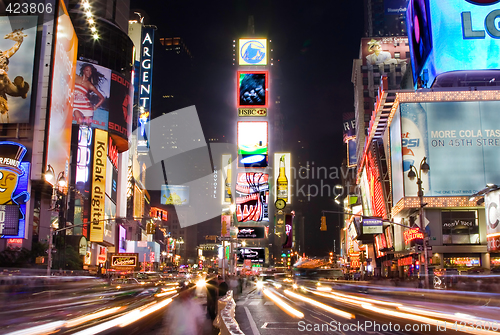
{"x":412,"y":174}
{"x":61,"y":183}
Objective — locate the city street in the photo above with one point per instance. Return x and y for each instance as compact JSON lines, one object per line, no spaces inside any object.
{"x":359,"y":314}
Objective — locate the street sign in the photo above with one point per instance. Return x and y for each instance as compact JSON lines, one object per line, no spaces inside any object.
{"x":421,"y":248}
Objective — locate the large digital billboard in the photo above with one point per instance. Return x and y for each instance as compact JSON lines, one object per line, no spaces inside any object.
{"x":174,"y":195}
{"x":282,"y":176}
{"x":252,"y":197}
{"x":103,"y":99}
{"x":252,"y":88}
{"x":450,"y":35}
{"x":18,"y":51}
{"x":396,"y":159}
{"x":61,"y":97}
{"x":252,"y":51}
{"x":14,"y":177}
{"x":460,"y":140}
{"x":252,"y":144}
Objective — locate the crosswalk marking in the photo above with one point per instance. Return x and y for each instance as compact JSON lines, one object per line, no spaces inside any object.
{"x":269,"y":303}
{"x":254,"y":303}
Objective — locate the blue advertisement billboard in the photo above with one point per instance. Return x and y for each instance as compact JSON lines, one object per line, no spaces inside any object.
{"x":396,"y":159}
{"x":174,"y":195}
{"x":461,"y":141}
{"x":450,"y":35}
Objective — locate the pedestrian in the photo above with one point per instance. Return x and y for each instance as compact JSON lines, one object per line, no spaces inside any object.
{"x":185,"y":316}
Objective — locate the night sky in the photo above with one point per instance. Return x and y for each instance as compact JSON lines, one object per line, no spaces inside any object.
{"x":315,"y":43}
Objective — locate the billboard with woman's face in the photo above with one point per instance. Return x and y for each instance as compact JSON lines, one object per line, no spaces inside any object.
{"x":91,"y":101}
{"x":103,"y":100}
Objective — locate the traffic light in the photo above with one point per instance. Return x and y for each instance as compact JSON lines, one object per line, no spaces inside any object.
{"x":323,"y":223}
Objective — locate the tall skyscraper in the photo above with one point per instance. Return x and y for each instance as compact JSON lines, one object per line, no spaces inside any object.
{"x":385,"y":17}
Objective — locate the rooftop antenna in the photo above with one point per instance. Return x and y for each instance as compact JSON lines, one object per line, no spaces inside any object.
{"x":251,"y":26}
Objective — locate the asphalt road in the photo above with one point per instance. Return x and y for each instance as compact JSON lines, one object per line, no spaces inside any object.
{"x":258,"y":314}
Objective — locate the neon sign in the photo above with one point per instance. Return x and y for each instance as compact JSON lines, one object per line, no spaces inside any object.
{"x":145,"y":80}
{"x":412,"y":235}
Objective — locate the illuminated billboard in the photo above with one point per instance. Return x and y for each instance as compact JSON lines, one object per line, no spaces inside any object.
{"x":225,"y":230}
{"x":352,"y":158}
{"x":397,"y":184}
{"x":145,"y":84}
{"x":18,"y":50}
{"x":98,"y":196}
{"x":252,"y":197}
{"x":226,"y":187}
{"x":14,"y":178}
{"x":252,"y":51}
{"x":380,"y":51}
{"x":255,"y":255}
{"x":288,"y":231}
{"x":460,"y":141}
{"x":251,"y":232}
{"x":103,"y":100}
{"x":450,"y":35}
{"x":282,"y":176}
{"x":377,"y":195}
{"x":61,"y":97}
{"x":492,"y":209}
{"x":174,"y":195}
{"x":252,"y":144}
{"x":252,"y":88}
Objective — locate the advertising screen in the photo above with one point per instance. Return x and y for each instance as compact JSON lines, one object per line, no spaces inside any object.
{"x":252,"y":197}
{"x":448,"y":35}
{"x":377,"y":195}
{"x":255,"y":255}
{"x":103,"y":100}
{"x":365,"y":194}
{"x":252,"y":144}
{"x":225,"y":229}
{"x":252,"y":88}
{"x":61,"y":100}
{"x":396,"y":159}
{"x":252,"y":51}
{"x":380,"y":51}
{"x":174,"y":195}
{"x":492,"y":209}
{"x":18,"y":50}
{"x":14,"y":177}
{"x":352,"y":158}
{"x":282,"y":176}
{"x":288,"y":231}
{"x":226,"y":187}
{"x":251,"y":232}
{"x":460,"y":140}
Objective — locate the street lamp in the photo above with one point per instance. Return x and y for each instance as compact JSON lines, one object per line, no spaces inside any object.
{"x":412,"y":174}
{"x":61,"y":183}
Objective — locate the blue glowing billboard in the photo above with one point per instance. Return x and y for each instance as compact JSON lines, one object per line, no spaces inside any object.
{"x":461,"y":141}
{"x":451,"y":35}
{"x":174,"y":195}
